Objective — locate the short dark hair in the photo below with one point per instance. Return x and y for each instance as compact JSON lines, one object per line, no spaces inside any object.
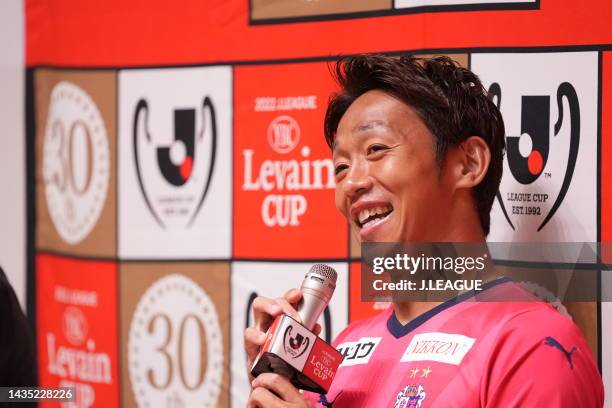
{"x":450,"y":100}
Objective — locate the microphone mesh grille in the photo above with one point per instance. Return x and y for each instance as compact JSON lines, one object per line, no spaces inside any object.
{"x":324,"y":270}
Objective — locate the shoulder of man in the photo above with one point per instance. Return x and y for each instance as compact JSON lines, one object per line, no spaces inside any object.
{"x":541,"y":357}
{"x":368,"y":325}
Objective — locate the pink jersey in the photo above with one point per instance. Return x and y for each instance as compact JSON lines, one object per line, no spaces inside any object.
{"x":466,"y":353}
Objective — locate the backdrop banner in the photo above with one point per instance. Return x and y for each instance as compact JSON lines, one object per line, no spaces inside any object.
{"x":178,"y":169}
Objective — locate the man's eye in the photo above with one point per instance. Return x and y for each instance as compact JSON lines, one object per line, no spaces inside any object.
{"x":339,"y":168}
{"x":376,"y":148}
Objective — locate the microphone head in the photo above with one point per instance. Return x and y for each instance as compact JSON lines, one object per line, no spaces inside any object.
{"x":321,"y":279}
{"x":325,"y":271}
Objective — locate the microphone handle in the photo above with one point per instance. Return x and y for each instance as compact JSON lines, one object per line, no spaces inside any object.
{"x":310,"y":307}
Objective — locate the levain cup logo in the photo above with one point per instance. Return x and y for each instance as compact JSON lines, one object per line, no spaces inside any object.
{"x":283,"y":134}
{"x":175,"y":177}
{"x":287,"y":177}
{"x":76,"y":162}
{"x":175,"y":348}
{"x":283,"y":172}
{"x":528,"y":152}
{"x":74,"y":325}
{"x":77,"y":364}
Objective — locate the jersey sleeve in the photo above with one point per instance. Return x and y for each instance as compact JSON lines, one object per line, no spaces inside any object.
{"x":542,"y":360}
{"x":313,"y":398}
{"x":319,"y":400}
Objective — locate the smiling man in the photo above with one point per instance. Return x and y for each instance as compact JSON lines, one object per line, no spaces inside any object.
{"x":418,"y":150}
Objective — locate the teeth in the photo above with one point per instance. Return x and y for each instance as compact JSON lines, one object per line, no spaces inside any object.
{"x":363,"y":215}
{"x":367,"y":213}
{"x":367,"y":224}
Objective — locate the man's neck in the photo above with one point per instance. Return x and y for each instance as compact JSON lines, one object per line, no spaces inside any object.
{"x":407,"y":311}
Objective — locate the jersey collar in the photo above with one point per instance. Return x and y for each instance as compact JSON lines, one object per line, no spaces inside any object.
{"x":399,"y":330}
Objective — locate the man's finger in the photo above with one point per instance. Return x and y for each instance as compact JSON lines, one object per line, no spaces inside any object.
{"x":316,"y":329}
{"x":293,"y":296}
{"x":279,"y":385}
{"x":264,"y":311}
{"x":263,"y":398}
{"x":253,"y":340}
{"x":288,"y":309}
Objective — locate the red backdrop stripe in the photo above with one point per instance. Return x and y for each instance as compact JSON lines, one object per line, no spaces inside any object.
{"x":119,"y":33}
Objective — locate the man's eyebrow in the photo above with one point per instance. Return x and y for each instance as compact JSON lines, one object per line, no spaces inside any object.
{"x":362,"y":127}
{"x":369,"y":125}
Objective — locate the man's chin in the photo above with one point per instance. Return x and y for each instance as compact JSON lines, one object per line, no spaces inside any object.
{"x":377,"y":238}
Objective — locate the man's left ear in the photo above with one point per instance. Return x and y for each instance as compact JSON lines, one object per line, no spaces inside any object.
{"x":471,"y":162}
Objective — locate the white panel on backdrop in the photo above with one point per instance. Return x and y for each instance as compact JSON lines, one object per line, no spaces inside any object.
{"x":175,"y":146}
{"x":606,"y":335}
{"x":272,"y":279}
{"x":420,"y":3}
{"x":12,"y":154}
{"x":548,"y":191}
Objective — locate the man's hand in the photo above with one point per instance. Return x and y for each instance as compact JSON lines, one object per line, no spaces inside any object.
{"x":265,"y":311}
{"x":275,"y":391}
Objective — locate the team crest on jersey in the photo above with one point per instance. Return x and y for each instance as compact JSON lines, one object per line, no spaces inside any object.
{"x":358,"y":352}
{"x":411,"y":396}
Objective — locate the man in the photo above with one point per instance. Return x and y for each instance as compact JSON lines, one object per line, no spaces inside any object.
{"x":418,"y":150}
{"x":17,"y":359}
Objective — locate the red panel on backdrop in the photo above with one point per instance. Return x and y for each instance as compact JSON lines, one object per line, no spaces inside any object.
{"x":77,"y":328}
{"x":115,"y":32}
{"x":283,"y":172}
{"x":358,"y":308}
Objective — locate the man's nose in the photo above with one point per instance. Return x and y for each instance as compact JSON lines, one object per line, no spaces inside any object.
{"x":357,"y":180}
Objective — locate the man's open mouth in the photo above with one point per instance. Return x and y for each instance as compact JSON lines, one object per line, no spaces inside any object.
{"x":371,"y":216}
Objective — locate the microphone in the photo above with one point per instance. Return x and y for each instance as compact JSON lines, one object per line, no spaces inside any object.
{"x":291,"y":349}
{"x":317,"y":289}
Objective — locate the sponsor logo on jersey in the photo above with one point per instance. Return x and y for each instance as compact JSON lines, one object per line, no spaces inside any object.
{"x":76,"y":162}
{"x":358,"y":352}
{"x":411,"y":396}
{"x":436,"y":346}
{"x":552,"y":342}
